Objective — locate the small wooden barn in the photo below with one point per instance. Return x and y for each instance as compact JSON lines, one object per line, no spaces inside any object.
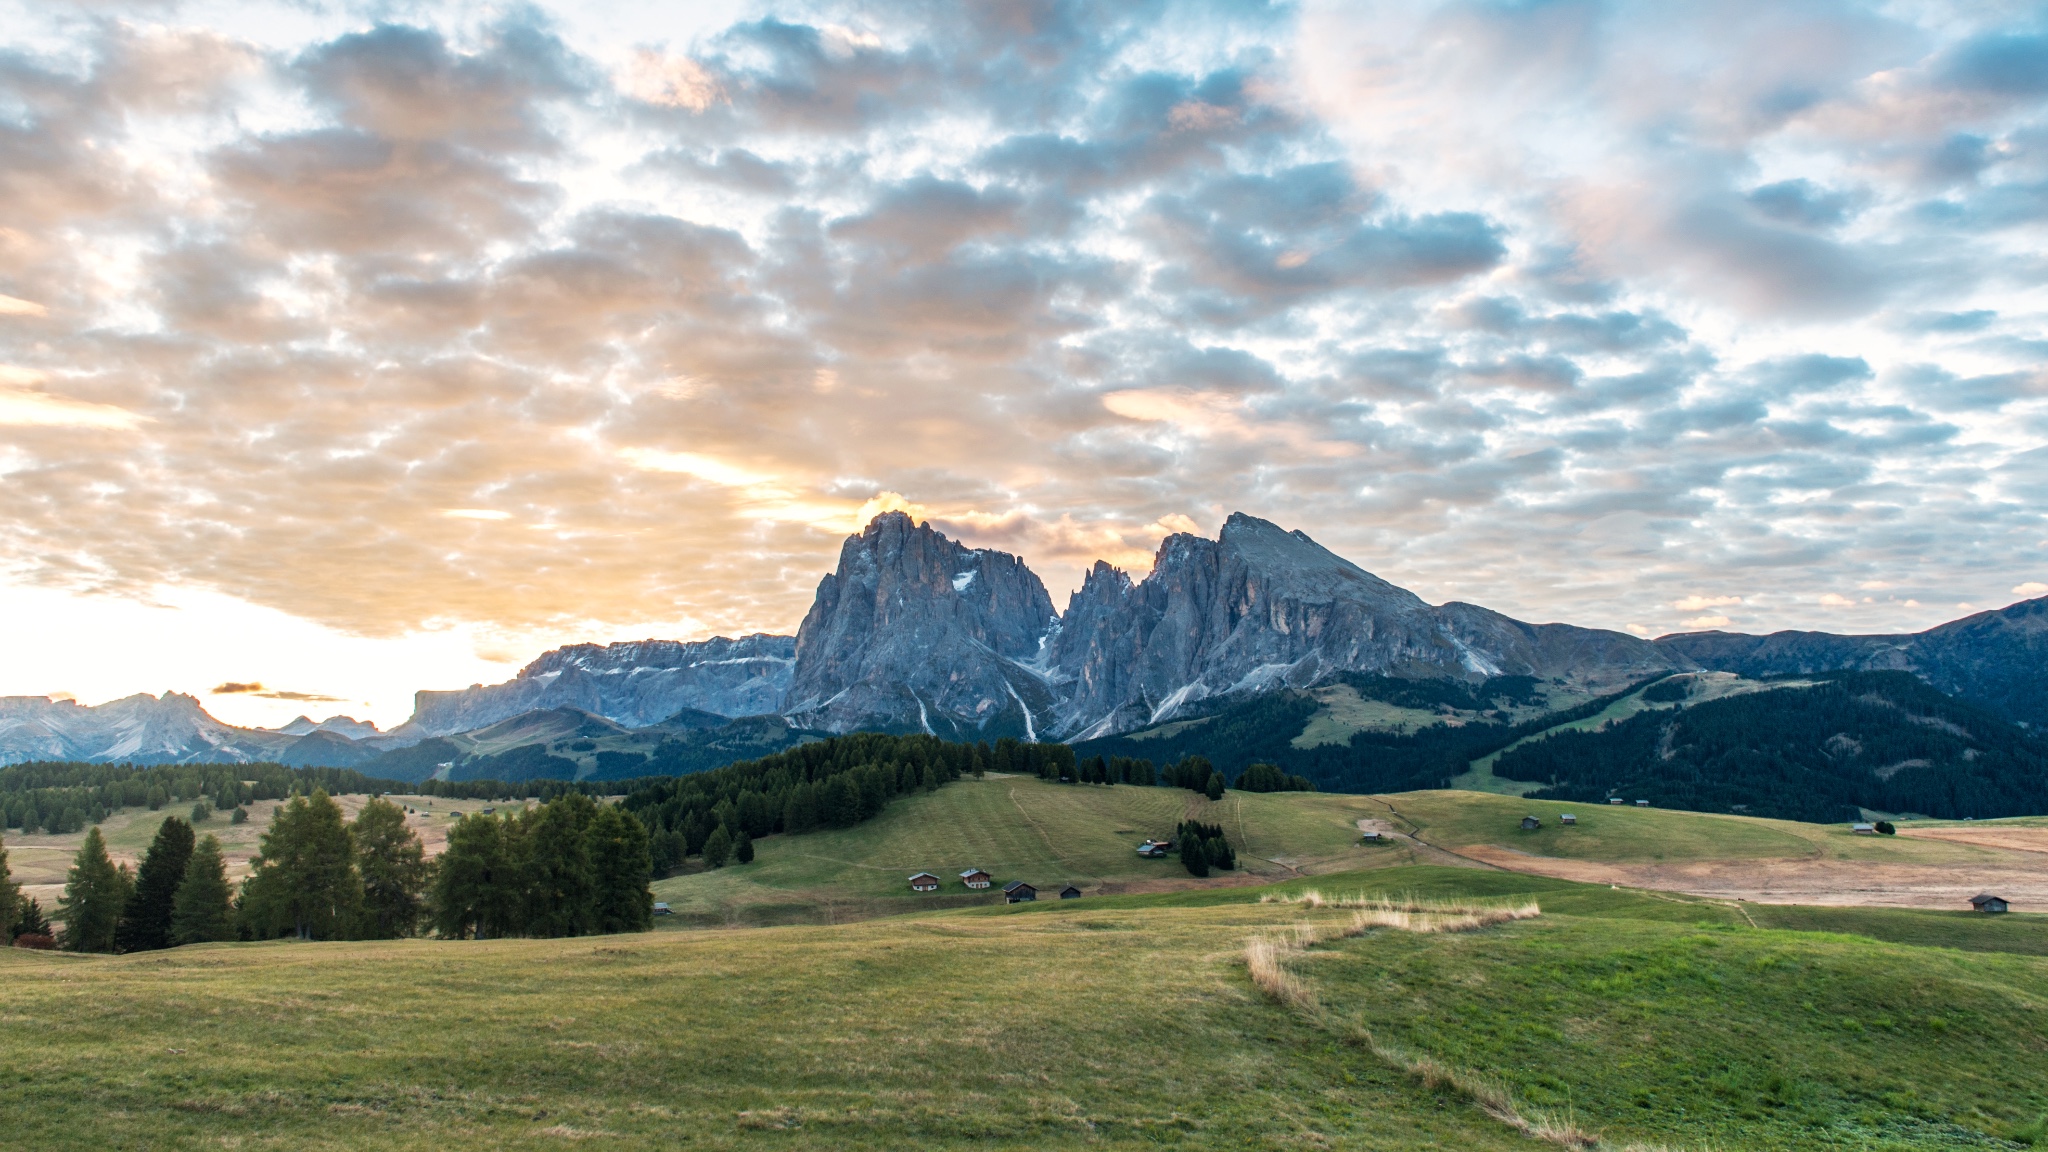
{"x":1070,"y":893}
{"x":1371,"y":837}
{"x":1018,"y":892}
{"x":1863,"y":829}
{"x":661,"y":908}
{"x":1568,"y":818}
{"x":975,"y":878}
{"x":1616,"y":800}
{"x":924,"y":882}
{"x":1986,"y":902}
{"x":1530,"y":823}
{"x":1642,"y":803}
{"x":1154,"y":849}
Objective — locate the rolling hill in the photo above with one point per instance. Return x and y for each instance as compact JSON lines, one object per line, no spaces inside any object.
{"x":1616,"y":1018}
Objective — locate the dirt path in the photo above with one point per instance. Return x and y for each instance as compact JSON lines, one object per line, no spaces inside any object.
{"x":1425,"y":852}
{"x":1834,"y":883}
{"x":2010,"y":839}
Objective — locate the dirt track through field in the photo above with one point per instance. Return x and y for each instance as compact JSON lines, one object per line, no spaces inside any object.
{"x":1836,"y":883}
{"x":2009,"y":838}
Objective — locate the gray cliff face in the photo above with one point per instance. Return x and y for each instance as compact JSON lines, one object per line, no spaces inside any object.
{"x":1261,"y":608}
{"x":636,"y":684}
{"x":1991,"y":658}
{"x":915,"y":632}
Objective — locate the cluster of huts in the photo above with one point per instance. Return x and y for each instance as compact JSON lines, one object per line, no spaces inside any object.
{"x":1015,"y":892}
{"x":1532,"y":823}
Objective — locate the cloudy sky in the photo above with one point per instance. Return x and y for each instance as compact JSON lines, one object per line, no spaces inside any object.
{"x":350,"y":349}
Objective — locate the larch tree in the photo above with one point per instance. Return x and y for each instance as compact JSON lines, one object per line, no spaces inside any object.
{"x":621,"y":867}
{"x":394,"y":869}
{"x":146,"y":918}
{"x":203,"y":912}
{"x":476,"y":887}
{"x":305,"y":881}
{"x":10,"y":899}
{"x":94,"y":893}
{"x":560,"y":884}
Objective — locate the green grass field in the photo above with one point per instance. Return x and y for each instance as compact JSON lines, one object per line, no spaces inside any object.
{"x":1110,"y":1022}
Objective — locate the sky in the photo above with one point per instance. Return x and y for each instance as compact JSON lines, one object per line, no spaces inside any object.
{"x":348,"y":349}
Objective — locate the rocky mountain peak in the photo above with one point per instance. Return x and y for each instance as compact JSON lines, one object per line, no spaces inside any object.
{"x":918,"y":631}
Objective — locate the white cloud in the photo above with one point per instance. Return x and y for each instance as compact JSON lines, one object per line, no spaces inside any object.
{"x":1708,"y":622}
{"x":2030,"y":588}
{"x":1835,"y":600}
{"x":1695,"y":603}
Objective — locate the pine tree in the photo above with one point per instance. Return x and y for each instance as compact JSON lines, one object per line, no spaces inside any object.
{"x":94,"y":892}
{"x":1194,"y":854}
{"x":718,"y":847}
{"x":476,"y":882}
{"x":1215,"y":788}
{"x":201,"y":913}
{"x":620,"y":869}
{"x":202,"y":811}
{"x":10,"y":900}
{"x":31,"y":921}
{"x":239,"y":816}
{"x":394,"y":869}
{"x":146,"y":919}
{"x":560,"y":887}
{"x":305,"y":881}
{"x":743,"y":849}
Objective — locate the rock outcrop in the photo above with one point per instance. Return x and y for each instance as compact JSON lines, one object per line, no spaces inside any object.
{"x":635,"y":684}
{"x":1261,"y":607}
{"x":916,"y":632}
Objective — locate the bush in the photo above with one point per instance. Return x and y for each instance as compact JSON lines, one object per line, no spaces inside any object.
{"x":239,"y":816}
{"x":37,"y":941}
{"x":202,"y":812}
{"x":1885,"y":828}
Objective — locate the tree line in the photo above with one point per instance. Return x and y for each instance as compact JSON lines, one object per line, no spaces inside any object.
{"x":567,"y":867}
{"x":59,"y":797}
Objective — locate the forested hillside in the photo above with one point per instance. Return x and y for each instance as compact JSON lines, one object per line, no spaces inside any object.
{"x":1883,"y":741}
{"x":1264,"y":729}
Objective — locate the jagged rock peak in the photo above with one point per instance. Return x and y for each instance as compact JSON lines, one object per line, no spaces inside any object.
{"x":918,"y":631}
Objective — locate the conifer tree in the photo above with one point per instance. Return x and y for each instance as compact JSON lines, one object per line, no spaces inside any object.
{"x":1215,"y":788}
{"x":559,"y":884}
{"x":146,"y":918}
{"x":30,"y":921}
{"x":201,"y":913}
{"x":743,"y":849}
{"x":718,"y":847}
{"x":305,"y":881}
{"x":1194,"y":854}
{"x":94,"y":892}
{"x":621,"y":869}
{"x":10,"y":900}
{"x":394,"y":869}
{"x":476,"y":888}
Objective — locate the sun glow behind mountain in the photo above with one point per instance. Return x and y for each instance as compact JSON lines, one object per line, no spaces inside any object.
{"x":358,"y":349}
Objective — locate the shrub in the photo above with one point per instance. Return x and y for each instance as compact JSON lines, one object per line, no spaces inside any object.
{"x":41,"y":942}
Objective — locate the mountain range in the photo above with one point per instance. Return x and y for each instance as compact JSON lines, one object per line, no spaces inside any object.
{"x":916,"y":632}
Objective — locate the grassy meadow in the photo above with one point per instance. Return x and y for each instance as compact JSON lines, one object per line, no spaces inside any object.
{"x":1616,"y":1018}
{"x":1016,"y":828}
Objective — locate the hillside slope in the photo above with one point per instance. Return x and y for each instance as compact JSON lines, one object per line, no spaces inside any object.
{"x":1106,"y":1023}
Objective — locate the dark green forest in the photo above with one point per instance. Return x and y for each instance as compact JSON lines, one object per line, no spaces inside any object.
{"x":1262,"y":730}
{"x":1882,"y":741}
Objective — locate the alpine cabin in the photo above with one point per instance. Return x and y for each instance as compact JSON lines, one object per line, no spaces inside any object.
{"x":975,"y":878}
{"x":924,"y":882}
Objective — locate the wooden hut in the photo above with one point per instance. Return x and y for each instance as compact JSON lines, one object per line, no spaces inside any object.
{"x":975,"y":878}
{"x":1018,"y":892}
{"x":924,"y":882}
{"x":1986,"y":902}
{"x":1070,"y":892}
{"x":1568,"y":818}
{"x":1530,"y":823}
